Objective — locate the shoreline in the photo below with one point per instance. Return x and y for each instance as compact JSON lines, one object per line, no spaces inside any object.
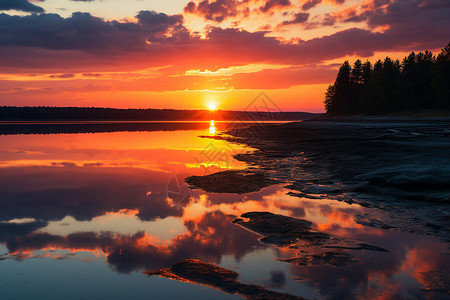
{"x":385,"y":163}
{"x":406,"y":116}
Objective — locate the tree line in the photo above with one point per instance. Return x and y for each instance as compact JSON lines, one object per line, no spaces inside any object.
{"x":420,"y":81}
{"x":48,"y":113}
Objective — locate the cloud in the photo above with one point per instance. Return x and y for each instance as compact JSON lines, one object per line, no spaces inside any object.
{"x":297,"y":19}
{"x":67,"y":75}
{"x":385,"y":12}
{"x":307,"y":5}
{"x":83,"y":31}
{"x":153,"y":22}
{"x":47,"y":201}
{"x":217,"y":11}
{"x":86,"y":44}
{"x":20,"y":5}
{"x":220,"y":10}
{"x":210,"y":237}
{"x":272,"y":4}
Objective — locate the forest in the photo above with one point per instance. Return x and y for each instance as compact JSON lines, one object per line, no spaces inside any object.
{"x":419,"y":82}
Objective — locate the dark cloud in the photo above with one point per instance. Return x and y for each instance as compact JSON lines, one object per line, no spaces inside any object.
{"x":209,"y":238}
{"x":271,"y":4}
{"x":310,"y":4}
{"x":67,"y":75}
{"x":92,"y":75}
{"x":220,"y":10}
{"x":298,"y":18}
{"x":403,"y":23}
{"x":21,"y":5}
{"x":217,"y":10}
{"x":403,"y":12}
{"x":48,"y":41}
{"x":153,"y":22}
{"x":13,"y":230}
{"x":52,"y":193}
{"x":398,"y":12}
{"x":87,"y":193}
{"x":84,"y":32}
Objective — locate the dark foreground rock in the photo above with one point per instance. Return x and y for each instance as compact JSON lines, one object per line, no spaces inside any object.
{"x":235,"y":182}
{"x":281,"y":230}
{"x":435,"y":281}
{"x":335,"y":259}
{"x":198,"y":272}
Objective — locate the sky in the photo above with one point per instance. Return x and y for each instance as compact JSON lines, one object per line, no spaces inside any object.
{"x":185,"y":54}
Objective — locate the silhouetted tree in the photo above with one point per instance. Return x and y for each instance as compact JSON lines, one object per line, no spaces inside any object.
{"x":367,"y":73}
{"x":424,"y":96}
{"x":329,"y":98}
{"x":419,"y":81}
{"x":356,"y":82}
{"x":387,"y":91}
{"x":441,"y":78}
{"x":357,"y":73}
{"x":341,"y":101}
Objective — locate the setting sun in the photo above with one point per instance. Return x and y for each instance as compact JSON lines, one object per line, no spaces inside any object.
{"x":212,"y":106}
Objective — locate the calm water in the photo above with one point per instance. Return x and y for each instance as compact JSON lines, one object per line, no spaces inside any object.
{"x":82,"y":215}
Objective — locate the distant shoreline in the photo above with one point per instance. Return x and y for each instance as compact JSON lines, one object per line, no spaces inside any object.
{"x":80,"y":114}
{"x":104,"y":126}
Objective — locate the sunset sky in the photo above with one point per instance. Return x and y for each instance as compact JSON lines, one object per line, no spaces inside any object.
{"x":185,"y":54}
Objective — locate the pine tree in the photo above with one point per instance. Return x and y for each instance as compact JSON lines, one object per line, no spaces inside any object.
{"x":441,"y":78}
{"x":329,"y":98}
{"x":342,"y":90}
{"x":356,"y":82}
{"x":367,"y":73}
{"x":420,"y":81}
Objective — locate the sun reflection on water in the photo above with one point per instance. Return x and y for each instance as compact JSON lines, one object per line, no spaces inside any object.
{"x":212,"y":127}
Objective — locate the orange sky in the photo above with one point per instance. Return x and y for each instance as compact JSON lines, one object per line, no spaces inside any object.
{"x":181,"y":54}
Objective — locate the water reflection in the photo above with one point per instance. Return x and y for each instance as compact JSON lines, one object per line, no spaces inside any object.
{"x":212,"y":128}
{"x":121,"y":197}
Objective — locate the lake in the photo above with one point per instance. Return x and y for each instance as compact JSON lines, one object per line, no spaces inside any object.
{"x":84,"y":211}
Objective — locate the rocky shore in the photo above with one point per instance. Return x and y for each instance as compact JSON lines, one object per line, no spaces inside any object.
{"x":397,"y":165}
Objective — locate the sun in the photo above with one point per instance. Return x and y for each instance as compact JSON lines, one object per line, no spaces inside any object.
{"x":212,"y":106}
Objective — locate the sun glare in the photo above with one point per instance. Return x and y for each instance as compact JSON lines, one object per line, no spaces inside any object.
{"x":212,"y":106}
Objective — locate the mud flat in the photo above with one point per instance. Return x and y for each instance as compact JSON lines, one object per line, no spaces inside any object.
{"x":397,"y":165}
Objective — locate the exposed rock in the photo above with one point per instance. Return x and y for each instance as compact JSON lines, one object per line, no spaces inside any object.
{"x":233,"y":181}
{"x":336,"y":259}
{"x":435,"y":281}
{"x":281,"y":230}
{"x":359,"y":246}
{"x":198,"y":272}
{"x":372,"y":222}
